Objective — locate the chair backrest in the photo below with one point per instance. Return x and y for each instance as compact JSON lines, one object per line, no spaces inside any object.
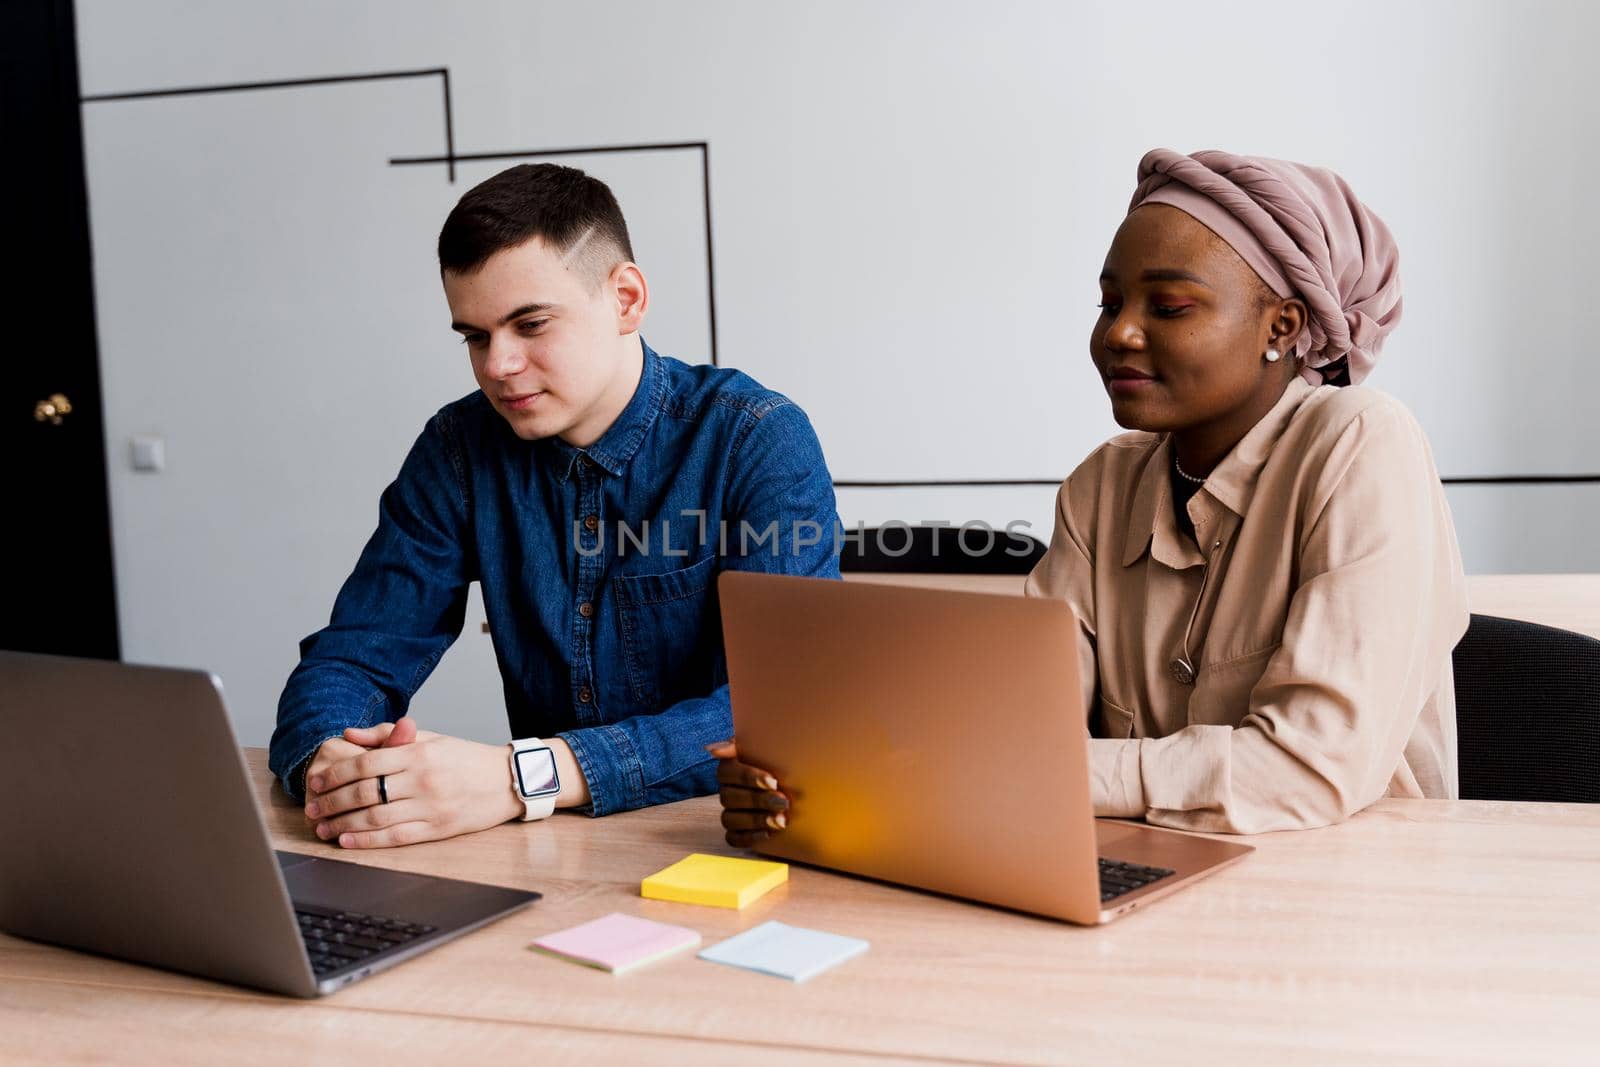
{"x":901,"y":548}
{"x":1527,"y":712}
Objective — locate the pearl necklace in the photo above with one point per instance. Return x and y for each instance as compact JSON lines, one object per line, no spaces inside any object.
{"x":1185,"y":475}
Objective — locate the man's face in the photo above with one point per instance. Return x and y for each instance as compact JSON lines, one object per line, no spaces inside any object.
{"x":544,"y":342}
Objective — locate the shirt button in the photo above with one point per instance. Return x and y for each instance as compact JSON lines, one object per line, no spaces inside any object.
{"x":1182,"y":672}
{"x":586,"y":609}
{"x":584,"y":695}
{"x":591,"y":523}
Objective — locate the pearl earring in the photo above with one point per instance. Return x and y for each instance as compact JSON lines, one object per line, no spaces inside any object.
{"x":1272,"y":355}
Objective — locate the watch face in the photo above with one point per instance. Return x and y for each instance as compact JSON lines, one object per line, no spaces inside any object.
{"x":536,"y":773}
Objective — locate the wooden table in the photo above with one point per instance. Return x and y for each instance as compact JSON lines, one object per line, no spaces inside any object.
{"x":1418,"y":932}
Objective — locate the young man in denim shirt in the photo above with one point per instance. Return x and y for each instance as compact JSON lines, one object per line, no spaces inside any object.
{"x":594,"y":489}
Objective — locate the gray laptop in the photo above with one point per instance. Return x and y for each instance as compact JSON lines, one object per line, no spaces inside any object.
{"x":128,"y":829}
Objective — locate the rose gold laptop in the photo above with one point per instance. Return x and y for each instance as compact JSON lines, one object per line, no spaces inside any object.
{"x":937,"y":739}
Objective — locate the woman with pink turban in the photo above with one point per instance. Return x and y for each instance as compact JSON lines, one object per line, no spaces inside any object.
{"x":1264,"y":571}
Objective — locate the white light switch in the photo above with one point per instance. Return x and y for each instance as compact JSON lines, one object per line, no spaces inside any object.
{"x":149,"y":453}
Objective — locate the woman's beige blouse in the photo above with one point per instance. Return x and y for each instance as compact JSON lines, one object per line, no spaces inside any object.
{"x":1326,"y":593}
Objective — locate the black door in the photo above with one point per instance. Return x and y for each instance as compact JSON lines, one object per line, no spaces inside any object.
{"x":59,"y":592}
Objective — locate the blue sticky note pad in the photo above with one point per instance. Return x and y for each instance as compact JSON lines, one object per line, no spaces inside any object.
{"x":791,"y":952}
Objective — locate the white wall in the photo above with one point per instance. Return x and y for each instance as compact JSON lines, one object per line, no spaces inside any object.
{"x":910,"y":203}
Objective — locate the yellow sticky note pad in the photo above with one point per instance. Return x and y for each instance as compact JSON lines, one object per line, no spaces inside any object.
{"x":719,"y":881}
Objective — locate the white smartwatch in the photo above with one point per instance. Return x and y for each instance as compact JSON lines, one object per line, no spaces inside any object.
{"x":534,"y":778}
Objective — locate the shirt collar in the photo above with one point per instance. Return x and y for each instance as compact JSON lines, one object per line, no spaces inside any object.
{"x":622,"y":439}
{"x":1233,"y":482}
{"x":1152,"y":521}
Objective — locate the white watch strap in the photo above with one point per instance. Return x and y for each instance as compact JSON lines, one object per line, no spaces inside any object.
{"x":538,"y":807}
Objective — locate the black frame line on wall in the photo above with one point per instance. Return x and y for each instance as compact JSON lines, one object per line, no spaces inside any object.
{"x":988,"y":483}
{"x":451,"y":157}
{"x":660,"y":146}
{"x":442,"y":73}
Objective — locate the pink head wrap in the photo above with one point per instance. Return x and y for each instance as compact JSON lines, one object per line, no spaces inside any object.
{"x":1304,"y":232}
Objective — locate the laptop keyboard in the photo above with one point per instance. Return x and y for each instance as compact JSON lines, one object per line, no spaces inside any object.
{"x":337,"y":939}
{"x":1119,"y":878}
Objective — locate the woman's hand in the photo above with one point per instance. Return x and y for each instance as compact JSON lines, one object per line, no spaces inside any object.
{"x":753,"y":809}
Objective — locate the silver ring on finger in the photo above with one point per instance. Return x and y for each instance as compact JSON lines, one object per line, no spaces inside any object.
{"x":383,"y":790}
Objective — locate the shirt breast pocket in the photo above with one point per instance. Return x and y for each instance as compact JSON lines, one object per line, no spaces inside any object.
{"x":1222,"y":690}
{"x":1115,"y":721}
{"x":670,"y":635}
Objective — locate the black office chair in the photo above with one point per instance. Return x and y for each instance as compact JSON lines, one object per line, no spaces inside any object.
{"x":901,"y":548}
{"x":1527,"y":712}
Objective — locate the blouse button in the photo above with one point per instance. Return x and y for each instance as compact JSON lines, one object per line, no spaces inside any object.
{"x":591,"y":523}
{"x":584,"y":695}
{"x":586,"y":609}
{"x":1182,"y":672}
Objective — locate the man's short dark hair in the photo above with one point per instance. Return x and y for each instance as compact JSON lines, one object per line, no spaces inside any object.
{"x":573,"y":213}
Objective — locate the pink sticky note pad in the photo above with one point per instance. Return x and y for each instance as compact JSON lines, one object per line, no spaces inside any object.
{"x":618,"y":942}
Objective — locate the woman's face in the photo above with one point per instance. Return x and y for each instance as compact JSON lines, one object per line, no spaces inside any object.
{"x":1184,"y":327}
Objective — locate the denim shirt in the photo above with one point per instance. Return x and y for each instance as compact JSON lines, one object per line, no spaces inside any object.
{"x":598,"y":567}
